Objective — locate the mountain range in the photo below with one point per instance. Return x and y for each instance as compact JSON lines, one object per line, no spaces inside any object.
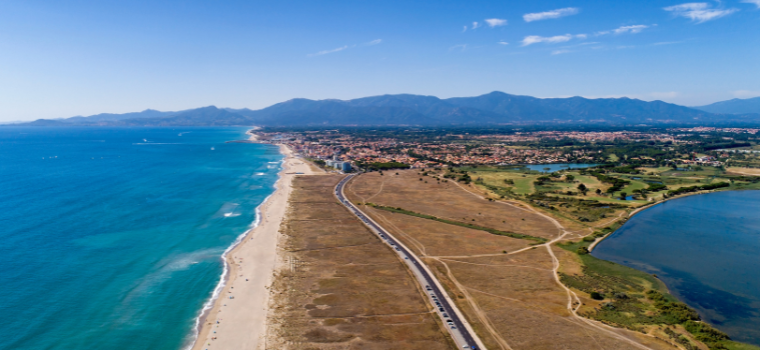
{"x":495,"y":108}
{"x":734,"y":106}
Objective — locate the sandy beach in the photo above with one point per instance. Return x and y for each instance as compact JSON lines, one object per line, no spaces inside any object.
{"x":237,"y":319}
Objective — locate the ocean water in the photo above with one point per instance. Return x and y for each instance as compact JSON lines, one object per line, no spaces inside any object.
{"x":110,"y":238}
{"x":706,"y":248}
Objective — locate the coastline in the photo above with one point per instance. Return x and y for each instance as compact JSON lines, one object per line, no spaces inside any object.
{"x":652,"y":205}
{"x":676,"y":294}
{"x":235,"y":315}
{"x":252,"y":136}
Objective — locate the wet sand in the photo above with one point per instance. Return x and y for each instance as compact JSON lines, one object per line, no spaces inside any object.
{"x":238,"y":318}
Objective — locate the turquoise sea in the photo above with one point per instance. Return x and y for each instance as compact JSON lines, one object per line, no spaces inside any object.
{"x":706,"y":248}
{"x":111,"y":238}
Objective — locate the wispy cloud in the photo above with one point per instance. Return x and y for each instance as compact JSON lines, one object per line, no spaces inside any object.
{"x":559,"y":52}
{"x":325,"y":52}
{"x":745,"y":93}
{"x":699,"y":12}
{"x":475,"y":25}
{"x":535,"y":39}
{"x":345,"y":47}
{"x":503,"y":42}
{"x":498,"y":22}
{"x":633,"y":29}
{"x":568,"y":11}
{"x":756,"y":2}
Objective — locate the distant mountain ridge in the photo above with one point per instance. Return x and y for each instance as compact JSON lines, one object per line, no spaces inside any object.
{"x":734,"y":106}
{"x":495,"y":108}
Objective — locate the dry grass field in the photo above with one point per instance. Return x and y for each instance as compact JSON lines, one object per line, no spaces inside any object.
{"x":514,"y":299}
{"x":339,"y":287}
{"x":745,"y":171}
{"x":445,"y":200}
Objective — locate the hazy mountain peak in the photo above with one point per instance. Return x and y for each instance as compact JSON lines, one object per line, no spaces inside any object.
{"x":494,"y":108}
{"x":734,"y":106}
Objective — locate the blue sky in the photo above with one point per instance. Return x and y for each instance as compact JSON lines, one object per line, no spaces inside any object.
{"x":65,"y":58}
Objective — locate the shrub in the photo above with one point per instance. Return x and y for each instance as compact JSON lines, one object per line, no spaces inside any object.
{"x":596,"y":296}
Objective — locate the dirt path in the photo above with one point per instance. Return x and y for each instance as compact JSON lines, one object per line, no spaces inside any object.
{"x":482,"y":317}
{"x":573,"y":301}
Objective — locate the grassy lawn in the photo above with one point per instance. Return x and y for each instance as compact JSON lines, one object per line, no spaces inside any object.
{"x":523,"y":183}
{"x":658,"y":170}
{"x":587,"y":180}
{"x":634,"y":185}
{"x":740,"y":346}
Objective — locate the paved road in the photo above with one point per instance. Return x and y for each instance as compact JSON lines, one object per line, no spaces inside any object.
{"x":463,"y":335}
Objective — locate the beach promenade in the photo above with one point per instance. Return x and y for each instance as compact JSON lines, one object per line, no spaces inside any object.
{"x":237,"y":319}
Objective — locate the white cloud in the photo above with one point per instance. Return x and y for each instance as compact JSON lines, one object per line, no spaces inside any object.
{"x":699,"y":12}
{"x":745,"y":93}
{"x":475,"y":25}
{"x":568,"y":11}
{"x":633,"y":29}
{"x":325,"y":52}
{"x":535,"y":39}
{"x":559,"y":52}
{"x":465,"y":29}
{"x":503,"y":42}
{"x":497,"y":22}
{"x":344,"y":47}
{"x":756,"y":2}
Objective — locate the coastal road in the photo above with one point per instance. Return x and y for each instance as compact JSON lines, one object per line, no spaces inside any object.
{"x":454,"y":321}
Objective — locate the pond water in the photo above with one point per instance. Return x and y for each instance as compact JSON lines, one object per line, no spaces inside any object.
{"x":557,"y":167}
{"x":706,"y":248}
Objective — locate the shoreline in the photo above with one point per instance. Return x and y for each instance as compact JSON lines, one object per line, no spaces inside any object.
{"x":252,"y":136}
{"x":670,"y":291}
{"x":242,"y":327}
{"x":652,"y":205}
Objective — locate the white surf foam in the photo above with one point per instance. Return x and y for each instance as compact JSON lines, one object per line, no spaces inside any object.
{"x":209,"y":304}
{"x":225,"y":272}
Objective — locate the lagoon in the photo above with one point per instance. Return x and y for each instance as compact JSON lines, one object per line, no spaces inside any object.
{"x":706,"y":248}
{"x":557,"y":167}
